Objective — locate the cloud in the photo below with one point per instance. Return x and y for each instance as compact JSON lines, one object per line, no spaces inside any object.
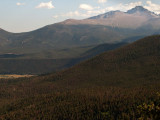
{"x":153,"y":7}
{"x":70,"y":14}
{"x":124,"y":7}
{"x":56,"y":16}
{"x":95,"y":12}
{"x":47,"y":5}
{"x":86,"y":7}
{"x":91,"y":11}
{"x":74,"y":13}
{"x":20,"y":4}
{"x":102,"y":1}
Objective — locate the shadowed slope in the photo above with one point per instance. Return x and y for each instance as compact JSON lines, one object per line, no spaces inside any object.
{"x":135,"y":64}
{"x":16,"y":64}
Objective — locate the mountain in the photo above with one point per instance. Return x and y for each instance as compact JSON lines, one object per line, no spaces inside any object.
{"x":111,"y":27}
{"x":117,"y":84}
{"x":141,"y":10}
{"x":138,"y":10}
{"x":70,"y":41}
{"x":134,"y":18}
{"x":62,"y":36}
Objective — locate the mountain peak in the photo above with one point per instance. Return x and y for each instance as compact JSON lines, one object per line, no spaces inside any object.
{"x":138,"y":9}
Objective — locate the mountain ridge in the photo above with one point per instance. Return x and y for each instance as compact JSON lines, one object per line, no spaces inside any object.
{"x":133,"y":18}
{"x":133,"y":64}
{"x":106,"y":15}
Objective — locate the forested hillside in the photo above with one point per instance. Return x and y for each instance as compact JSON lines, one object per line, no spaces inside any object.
{"x":118,"y":84}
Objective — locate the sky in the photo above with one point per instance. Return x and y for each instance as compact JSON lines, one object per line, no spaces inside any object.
{"x":27,"y":15}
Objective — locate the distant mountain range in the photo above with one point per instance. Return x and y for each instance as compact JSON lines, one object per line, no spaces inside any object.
{"x":115,"y":80}
{"x":134,"y":18}
{"x":111,"y":27}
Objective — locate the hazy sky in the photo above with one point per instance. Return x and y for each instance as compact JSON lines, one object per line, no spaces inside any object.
{"x":27,"y":15}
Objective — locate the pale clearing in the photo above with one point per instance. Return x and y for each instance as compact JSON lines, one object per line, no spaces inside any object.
{"x":9,"y":76}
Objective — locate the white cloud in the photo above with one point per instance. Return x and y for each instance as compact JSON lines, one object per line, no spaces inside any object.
{"x":75,"y":13}
{"x":19,"y":4}
{"x":95,"y":12}
{"x":86,"y":7}
{"x":56,"y":16}
{"x":153,"y":7}
{"x":47,"y":5}
{"x":102,"y":1}
{"x":124,"y":7}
